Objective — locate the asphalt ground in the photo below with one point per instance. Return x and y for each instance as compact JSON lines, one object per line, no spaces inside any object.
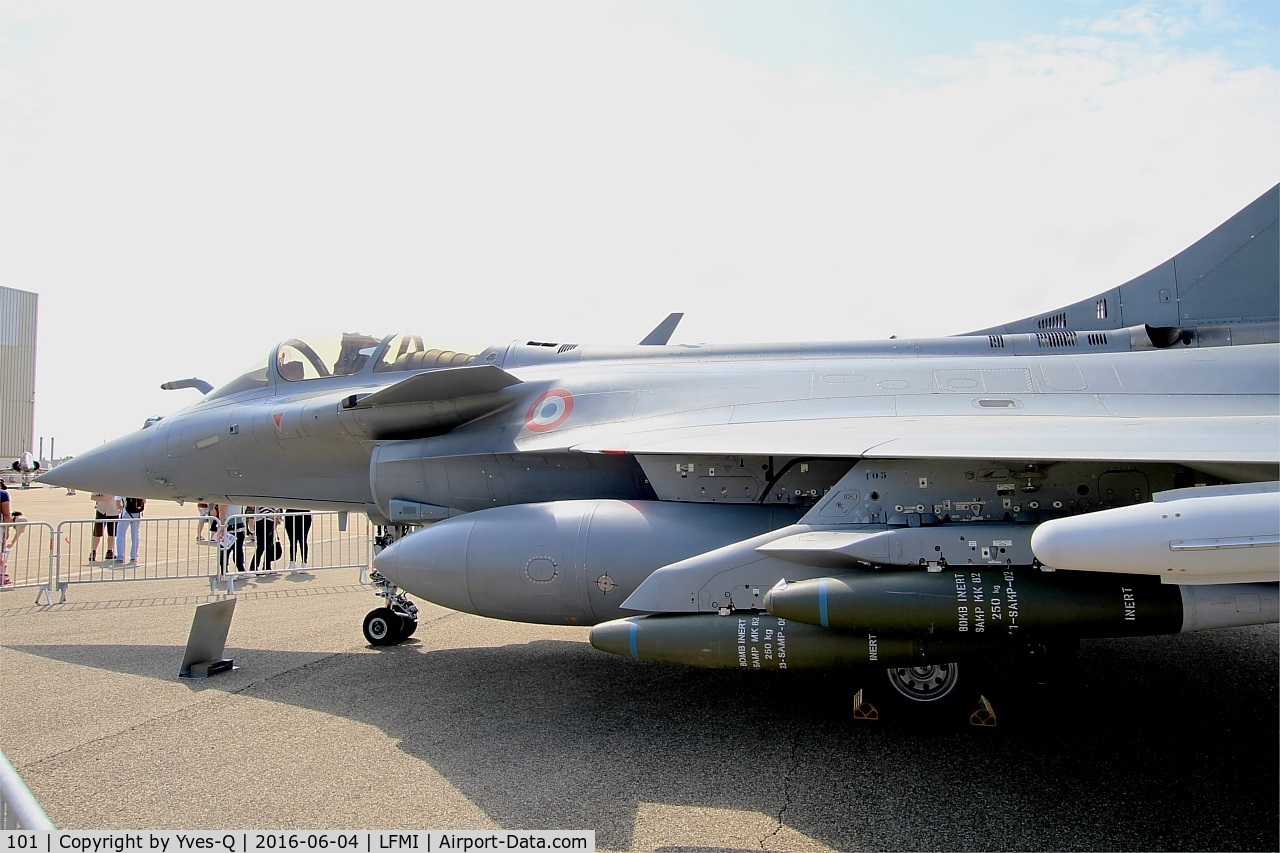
{"x":1150,"y":744}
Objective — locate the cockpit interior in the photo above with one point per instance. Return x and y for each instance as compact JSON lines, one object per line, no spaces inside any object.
{"x":347,"y":354}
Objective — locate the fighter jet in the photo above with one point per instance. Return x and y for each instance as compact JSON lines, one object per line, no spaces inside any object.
{"x":1106,"y":469}
{"x":27,"y":465}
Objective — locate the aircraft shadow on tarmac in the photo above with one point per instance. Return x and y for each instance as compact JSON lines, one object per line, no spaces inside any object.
{"x":1137,"y":753}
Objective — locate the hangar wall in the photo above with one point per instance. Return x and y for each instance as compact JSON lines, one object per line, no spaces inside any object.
{"x":17,"y":373}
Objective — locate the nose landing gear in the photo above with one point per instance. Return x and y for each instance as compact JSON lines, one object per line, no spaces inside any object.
{"x":394,"y":623}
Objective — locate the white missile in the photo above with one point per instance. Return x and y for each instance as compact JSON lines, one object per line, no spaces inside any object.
{"x":1213,"y":534}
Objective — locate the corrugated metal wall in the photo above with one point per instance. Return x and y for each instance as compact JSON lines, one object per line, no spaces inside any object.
{"x":17,"y":372}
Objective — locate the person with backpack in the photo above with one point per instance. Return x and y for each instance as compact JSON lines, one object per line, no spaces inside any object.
{"x":132,"y":511}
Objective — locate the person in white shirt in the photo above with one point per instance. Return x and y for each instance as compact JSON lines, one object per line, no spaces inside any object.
{"x":231,"y":532}
{"x":106,"y":510}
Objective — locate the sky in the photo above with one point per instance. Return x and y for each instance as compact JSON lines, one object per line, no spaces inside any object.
{"x":185,"y":184}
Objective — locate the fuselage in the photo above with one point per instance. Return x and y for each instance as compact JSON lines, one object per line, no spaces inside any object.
{"x":573,"y":421}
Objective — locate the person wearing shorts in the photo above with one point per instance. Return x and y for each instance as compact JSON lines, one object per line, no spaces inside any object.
{"x":106,"y":512}
{"x":204,"y":519}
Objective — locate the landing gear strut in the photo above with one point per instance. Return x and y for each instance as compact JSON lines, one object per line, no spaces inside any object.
{"x":395,"y":623}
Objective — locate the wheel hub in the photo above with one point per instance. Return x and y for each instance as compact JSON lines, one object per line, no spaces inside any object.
{"x":924,"y":683}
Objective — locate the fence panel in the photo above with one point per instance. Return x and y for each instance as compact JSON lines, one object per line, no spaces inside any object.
{"x":166,"y":549}
{"x":18,"y":807}
{"x":303,"y":541}
{"x":184,"y":547}
{"x":26,"y":558}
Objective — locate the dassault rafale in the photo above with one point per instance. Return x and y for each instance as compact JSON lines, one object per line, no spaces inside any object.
{"x":1107,"y":469}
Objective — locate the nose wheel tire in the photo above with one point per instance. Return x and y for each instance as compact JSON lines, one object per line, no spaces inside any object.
{"x":385,"y":627}
{"x":925,"y":683}
{"x":382,"y":627}
{"x":395,"y":623}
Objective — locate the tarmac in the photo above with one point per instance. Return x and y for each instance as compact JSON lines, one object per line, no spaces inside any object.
{"x":1155,"y":743}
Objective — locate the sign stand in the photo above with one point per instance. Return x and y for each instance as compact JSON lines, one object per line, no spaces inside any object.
{"x":208,"y":640}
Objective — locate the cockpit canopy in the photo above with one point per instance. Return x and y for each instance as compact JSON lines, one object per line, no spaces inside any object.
{"x":348,"y":354}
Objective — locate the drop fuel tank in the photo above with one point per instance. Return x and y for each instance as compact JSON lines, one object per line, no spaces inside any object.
{"x":1209,"y":534}
{"x":562,"y":562}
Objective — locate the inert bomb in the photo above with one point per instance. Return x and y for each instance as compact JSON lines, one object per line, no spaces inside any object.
{"x":971,"y":603}
{"x":753,"y":640}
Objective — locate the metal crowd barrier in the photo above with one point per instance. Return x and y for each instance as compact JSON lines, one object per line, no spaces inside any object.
{"x":19,"y":808}
{"x":27,"y":560}
{"x":183,"y":547}
{"x":304,"y":541}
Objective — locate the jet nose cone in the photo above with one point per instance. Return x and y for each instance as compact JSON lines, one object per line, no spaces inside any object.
{"x":117,"y":467}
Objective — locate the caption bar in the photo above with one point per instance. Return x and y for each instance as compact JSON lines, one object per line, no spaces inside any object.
{"x":177,"y":841}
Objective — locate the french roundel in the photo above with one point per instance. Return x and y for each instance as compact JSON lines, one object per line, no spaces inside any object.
{"x":549,"y":411}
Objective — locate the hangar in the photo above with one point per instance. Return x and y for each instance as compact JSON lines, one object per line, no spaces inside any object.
{"x":17,"y":371}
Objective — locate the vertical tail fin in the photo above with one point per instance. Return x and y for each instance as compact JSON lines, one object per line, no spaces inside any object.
{"x":1230,"y":277}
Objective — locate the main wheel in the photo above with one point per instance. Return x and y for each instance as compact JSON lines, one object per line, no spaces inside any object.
{"x":382,"y":627}
{"x":925,"y":683}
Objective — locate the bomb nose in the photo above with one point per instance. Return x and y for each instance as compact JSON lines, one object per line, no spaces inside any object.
{"x":617,"y":637}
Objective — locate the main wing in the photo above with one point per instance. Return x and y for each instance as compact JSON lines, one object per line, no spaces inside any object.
{"x":1186,"y":406}
{"x":1188,"y":440}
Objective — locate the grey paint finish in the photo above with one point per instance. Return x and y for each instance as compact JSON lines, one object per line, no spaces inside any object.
{"x":1208,"y":283}
{"x":571,"y":484}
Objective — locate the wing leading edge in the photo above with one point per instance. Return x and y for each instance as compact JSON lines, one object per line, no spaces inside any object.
{"x":1224,"y":440}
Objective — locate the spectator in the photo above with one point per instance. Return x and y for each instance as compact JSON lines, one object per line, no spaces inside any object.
{"x":264,"y":532}
{"x":107,"y":510}
{"x":129,"y":523}
{"x":204,"y":519}
{"x":297,"y":525}
{"x":8,"y":542}
{"x":231,"y":542}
